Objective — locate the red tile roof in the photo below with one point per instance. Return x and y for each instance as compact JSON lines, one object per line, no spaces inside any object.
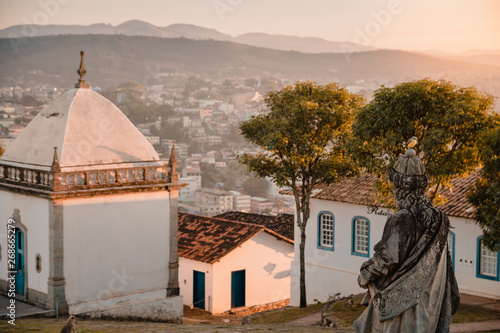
{"x":282,"y":224}
{"x":208,"y":239}
{"x":361,"y":191}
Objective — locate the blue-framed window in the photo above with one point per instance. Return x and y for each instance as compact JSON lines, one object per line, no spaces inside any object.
{"x":488,"y":262}
{"x":451,"y":247}
{"x":326,"y":231}
{"x":360,"y":236}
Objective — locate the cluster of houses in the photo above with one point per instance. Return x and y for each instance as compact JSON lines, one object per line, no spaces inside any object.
{"x":93,"y":216}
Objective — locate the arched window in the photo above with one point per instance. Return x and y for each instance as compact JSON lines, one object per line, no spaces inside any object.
{"x":360,"y":236}
{"x":488,"y":262}
{"x":326,"y":231}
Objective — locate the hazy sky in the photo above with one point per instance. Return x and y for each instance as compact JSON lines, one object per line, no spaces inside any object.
{"x":449,"y":25}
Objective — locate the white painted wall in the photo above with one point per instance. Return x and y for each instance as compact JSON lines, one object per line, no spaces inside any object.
{"x":34,"y":214}
{"x":186,"y":268}
{"x":466,"y":233}
{"x":331,"y":272}
{"x":267,"y":263}
{"x":115,"y":245}
{"x":328,"y":273}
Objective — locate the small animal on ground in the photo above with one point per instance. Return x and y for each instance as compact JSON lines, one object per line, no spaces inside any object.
{"x":69,"y":327}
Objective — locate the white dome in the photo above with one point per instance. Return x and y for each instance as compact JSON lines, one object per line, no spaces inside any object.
{"x":89,"y":132}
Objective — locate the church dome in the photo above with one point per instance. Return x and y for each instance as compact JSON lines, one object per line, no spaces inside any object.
{"x":82,"y":144}
{"x":89,"y":132}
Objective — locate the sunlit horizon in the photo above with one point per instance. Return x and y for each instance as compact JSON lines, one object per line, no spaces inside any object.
{"x":425,"y":25}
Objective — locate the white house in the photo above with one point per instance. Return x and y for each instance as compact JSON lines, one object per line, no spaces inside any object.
{"x":213,"y":202}
{"x":187,"y":194}
{"x":241,"y":202}
{"x":94,"y":213}
{"x":345,"y":224}
{"x":225,"y":264}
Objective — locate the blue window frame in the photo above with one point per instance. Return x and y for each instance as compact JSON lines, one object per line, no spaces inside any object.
{"x":360,"y":236}
{"x":488,"y":262}
{"x":451,"y":247}
{"x":326,"y":231}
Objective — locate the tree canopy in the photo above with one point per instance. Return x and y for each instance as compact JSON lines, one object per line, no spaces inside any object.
{"x":255,"y":186}
{"x":302,"y":138}
{"x":447,"y":121}
{"x":485,"y":195}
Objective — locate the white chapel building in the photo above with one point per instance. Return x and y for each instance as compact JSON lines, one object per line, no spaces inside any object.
{"x":346,"y":223}
{"x":94,"y":213}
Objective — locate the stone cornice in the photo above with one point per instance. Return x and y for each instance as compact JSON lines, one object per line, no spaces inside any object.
{"x":50,"y":184}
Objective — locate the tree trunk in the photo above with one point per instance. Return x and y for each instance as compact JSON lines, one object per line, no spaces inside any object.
{"x":302,"y":247}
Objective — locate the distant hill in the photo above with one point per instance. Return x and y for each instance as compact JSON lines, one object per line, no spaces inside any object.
{"x":140,"y":28}
{"x":114,"y":59}
{"x":488,"y":57}
{"x":301,"y":44}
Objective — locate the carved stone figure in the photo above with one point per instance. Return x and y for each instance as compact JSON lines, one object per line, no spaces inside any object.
{"x":410,"y":279}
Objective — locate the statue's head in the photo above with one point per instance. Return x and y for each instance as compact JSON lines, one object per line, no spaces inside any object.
{"x":410,"y":180}
{"x":409,"y":172}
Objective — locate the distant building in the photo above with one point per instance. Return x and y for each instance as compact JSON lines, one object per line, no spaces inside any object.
{"x":187,"y":194}
{"x":213,"y":202}
{"x":261,"y":205}
{"x":241,"y":202}
{"x":154,"y":140}
{"x":194,"y":174}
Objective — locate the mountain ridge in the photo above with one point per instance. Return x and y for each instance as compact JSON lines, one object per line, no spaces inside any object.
{"x":114,"y":59}
{"x":190,"y":31}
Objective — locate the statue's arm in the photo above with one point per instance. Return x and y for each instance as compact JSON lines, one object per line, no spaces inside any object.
{"x":388,"y":252}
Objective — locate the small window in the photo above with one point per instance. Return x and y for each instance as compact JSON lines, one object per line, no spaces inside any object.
{"x":361,"y":236}
{"x":488,"y":262}
{"x":325,"y":231}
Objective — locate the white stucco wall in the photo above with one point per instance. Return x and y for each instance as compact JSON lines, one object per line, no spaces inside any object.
{"x":266,"y":261}
{"x":466,"y":234}
{"x":115,"y":245}
{"x":186,"y":268}
{"x":331,"y":272}
{"x":34,"y":214}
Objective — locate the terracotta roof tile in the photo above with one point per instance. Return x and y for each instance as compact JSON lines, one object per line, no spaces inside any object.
{"x":208,"y":239}
{"x":282,"y":224}
{"x":361,"y":191}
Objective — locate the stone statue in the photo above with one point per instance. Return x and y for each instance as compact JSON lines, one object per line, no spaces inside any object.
{"x":410,"y":279}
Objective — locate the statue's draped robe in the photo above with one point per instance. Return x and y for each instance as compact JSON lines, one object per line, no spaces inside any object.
{"x":412,"y":286}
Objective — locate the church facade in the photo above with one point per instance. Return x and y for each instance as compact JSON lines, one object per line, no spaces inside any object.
{"x":93,"y":212}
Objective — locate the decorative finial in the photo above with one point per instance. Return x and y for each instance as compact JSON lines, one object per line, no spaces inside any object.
{"x":173,"y":176}
{"x":55,"y":162}
{"x":81,"y":71}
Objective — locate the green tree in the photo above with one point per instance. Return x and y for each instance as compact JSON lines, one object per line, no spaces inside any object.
{"x":255,"y":186}
{"x":303,"y":139}
{"x":211,"y":175}
{"x":446,"y":120}
{"x":485,"y":195}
